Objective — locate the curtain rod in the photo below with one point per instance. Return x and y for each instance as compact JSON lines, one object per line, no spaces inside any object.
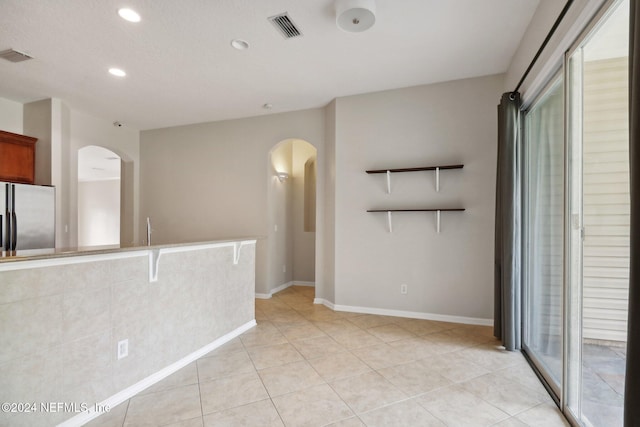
{"x":544,"y":43}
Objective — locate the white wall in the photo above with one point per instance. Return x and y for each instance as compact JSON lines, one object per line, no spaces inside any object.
{"x":279,"y":220}
{"x":10,"y":116}
{"x":449,"y":273}
{"x":291,"y":250}
{"x":37,"y":123}
{"x":212,"y":181}
{"x":326,"y":217}
{"x":209,"y":181}
{"x":99,"y":212}
{"x":85,"y":130}
{"x":303,"y":242}
{"x":61,"y":132}
{"x":48,"y":120}
{"x":61,"y":172}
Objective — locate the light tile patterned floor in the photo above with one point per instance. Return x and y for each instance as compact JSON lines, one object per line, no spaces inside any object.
{"x":603,"y":375}
{"x":306,"y":365}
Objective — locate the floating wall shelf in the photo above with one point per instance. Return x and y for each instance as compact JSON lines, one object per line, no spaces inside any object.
{"x":437,"y":211}
{"x":437,"y":169}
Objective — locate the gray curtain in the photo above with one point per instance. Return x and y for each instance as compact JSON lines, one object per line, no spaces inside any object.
{"x":507,"y":307}
{"x":632,"y":380}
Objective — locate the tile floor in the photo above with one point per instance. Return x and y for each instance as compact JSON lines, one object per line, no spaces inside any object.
{"x":603,"y":370}
{"x":306,"y":365}
{"x":603,"y":377}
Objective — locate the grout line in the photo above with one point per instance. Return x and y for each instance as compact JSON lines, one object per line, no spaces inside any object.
{"x":304,"y":359}
{"x":330,"y":423}
{"x":124,"y":419}
{"x":276,"y":408}
{"x":347,"y":350}
{"x":199,"y":390}
{"x":432,"y":414}
{"x":343,"y":401}
{"x":458,"y":332}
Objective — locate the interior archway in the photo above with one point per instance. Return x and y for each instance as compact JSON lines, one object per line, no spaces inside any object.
{"x":291,"y":214}
{"x":99,"y":196}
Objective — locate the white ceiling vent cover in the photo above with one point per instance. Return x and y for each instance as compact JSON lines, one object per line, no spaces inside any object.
{"x":285,"y":25}
{"x":14,"y":56}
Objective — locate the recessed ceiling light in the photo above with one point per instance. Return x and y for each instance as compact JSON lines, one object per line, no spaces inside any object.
{"x":267,"y":106}
{"x":129,"y":15}
{"x":117,"y":72}
{"x":239,"y":44}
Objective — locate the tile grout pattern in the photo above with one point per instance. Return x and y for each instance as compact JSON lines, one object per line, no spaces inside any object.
{"x":603,"y":378}
{"x":306,"y":365}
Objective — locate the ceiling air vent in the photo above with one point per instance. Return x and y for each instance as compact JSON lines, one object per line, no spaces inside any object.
{"x":14,"y":56}
{"x":285,"y":25}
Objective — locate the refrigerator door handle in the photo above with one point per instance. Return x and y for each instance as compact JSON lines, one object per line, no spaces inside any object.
{"x":6,"y":242}
{"x":14,"y":220}
{"x":14,"y":229}
{"x":7,"y":231}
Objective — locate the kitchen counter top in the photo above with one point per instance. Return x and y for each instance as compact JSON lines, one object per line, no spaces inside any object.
{"x":42,"y":254}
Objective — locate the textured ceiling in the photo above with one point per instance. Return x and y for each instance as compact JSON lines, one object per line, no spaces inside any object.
{"x":181,"y":68}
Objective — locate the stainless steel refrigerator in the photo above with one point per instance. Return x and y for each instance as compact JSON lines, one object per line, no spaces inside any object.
{"x":27,"y":216}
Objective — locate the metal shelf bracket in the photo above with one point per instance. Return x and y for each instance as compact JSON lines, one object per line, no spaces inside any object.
{"x":154,"y":261}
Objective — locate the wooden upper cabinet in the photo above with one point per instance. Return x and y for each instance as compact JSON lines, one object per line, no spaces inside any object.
{"x":17,"y":158}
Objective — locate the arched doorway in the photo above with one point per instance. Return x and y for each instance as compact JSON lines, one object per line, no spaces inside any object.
{"x":99,"y":196}
{"x":291,"y":214}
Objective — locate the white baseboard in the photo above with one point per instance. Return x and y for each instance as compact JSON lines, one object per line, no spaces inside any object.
{"x":415,"y":315}
{"x":304,"y":283}
{"x":274,"y":291}
{"x":263,"y":296}
{"x":324,"y":302}
{"x":283,"y":287}
{"x":407,"y":314}
{"x":129,"y":392}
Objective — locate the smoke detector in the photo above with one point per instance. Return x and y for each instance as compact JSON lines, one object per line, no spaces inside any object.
{"x":12,"y":55}
{"x":355,"y":16}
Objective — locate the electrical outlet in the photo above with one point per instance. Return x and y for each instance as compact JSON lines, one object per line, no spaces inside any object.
{"x":284,"y":268}
{"x":123,"y":349}
{"x":275,"y":228}
{"x":403,"y":289}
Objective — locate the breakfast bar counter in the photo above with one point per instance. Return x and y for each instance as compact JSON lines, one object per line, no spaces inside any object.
{"x":39,"y":254}
{"x":89,"y":328}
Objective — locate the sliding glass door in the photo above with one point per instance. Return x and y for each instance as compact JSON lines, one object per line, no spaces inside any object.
{"x":598,"y":206}
{"x":576,"y":225}
{"x":543,"y":237}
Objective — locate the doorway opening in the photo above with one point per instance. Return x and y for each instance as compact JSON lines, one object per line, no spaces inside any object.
{"x":291,"y":215}
{"x":99,"y":196}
